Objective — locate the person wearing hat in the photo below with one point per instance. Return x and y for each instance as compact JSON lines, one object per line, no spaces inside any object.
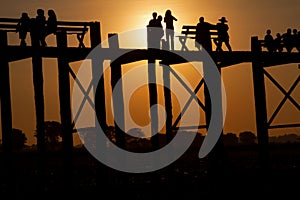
{"x":223,"y":35}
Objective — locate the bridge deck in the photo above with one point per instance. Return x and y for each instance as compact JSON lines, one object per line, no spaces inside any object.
{"x":224,"y":59}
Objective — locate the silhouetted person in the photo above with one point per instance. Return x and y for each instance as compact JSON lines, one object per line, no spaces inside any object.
{"x":278,"y":43}
{"x":159,"y":31}
{"x":23,"y":27}
{"x":51,"y":23}
{"x":168,"y":19}
{"x":155,"y":31}
{"x":150,"y":30}
{"x":41,"y":26}
{"x":269,"y":41}
{"x":152,"y":22}
{"x":203,"y":37}
{"x":287,"y":39}
{"x":223,"y":35}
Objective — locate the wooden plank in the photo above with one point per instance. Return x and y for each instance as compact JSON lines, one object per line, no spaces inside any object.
{"x":77,"y":29}
{"x":7,"y":20}
{"x":8,"y":26}
{"x":69,"y":23}
{"x":188,"y":27}
{"x":188,"y":32}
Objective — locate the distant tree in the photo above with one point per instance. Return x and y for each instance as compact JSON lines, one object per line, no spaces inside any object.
{"x":53,"y":133}
{"x":230,"y":139}
{"x":247,"y":138}
{"x":18,"y":139}
{"x":288,"y":138}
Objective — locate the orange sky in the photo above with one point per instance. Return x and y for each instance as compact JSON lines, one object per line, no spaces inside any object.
{"x":246,"y":19}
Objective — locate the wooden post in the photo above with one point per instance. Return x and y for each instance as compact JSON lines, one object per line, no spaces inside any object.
{"x":118,"y":99}
{"x":95,"y":34}
{"x":153,"y":100}
{"x":168,"y":102}
{"x":260,"y":102}
{"x":97,"y":68}
{"x":217,"y":154}
{"x":38,"y":84}
{"x":6,"y":114}
{"x":99,"y":99}
{"x":65,"y":108}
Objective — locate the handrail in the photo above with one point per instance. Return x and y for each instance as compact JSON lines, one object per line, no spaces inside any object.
{"x":5,"y":22}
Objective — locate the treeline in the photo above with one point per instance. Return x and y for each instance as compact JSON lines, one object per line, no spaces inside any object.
{"x":249,"y":138}
{"x":136,"y":137}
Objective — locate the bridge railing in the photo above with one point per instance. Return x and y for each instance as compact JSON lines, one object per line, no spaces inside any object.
{"x":70,"y":28}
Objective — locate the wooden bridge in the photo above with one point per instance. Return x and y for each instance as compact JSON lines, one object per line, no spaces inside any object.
{"x":66,"y":54}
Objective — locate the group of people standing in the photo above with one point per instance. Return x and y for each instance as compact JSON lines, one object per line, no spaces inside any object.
{"x":288,"y":40}
{"x":155,"y":31}
{"x":203,"y":36}
{"x":38,"y":26}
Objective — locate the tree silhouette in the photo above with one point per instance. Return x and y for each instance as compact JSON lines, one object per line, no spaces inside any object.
{"x":231,"y":139}
{"x":53,"y":133}
{"x":247,"y":138}
{"x":18,"y":139}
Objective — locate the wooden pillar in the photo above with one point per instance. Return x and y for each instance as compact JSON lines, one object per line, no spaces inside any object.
{"x":38,"y":85}
{"x":217,"y":154}
{"x":95,"y":34}
{"x":65,"y":108}
{"x":260,"y":102}
{"x":97,"y":68}
{"x":153,"y":100}
{"x":168,"y":102}
{"x":118,"y":99}
{"x":6,"y":114}
{"x":102,"y":177}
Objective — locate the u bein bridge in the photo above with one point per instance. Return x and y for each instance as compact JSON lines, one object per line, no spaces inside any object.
{"x":65,"y":54}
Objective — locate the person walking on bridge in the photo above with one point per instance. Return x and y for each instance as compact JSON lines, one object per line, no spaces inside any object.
{"x":223,"y":35}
